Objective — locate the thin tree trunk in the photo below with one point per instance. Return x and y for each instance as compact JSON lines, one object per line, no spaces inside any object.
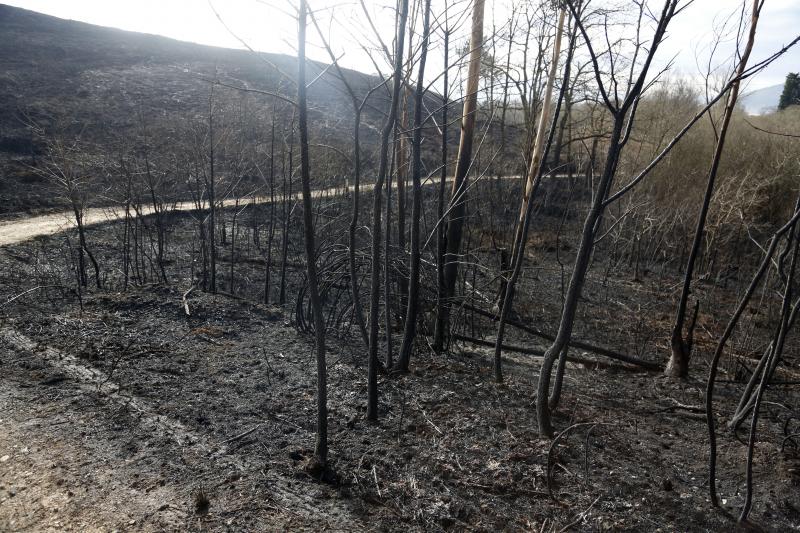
{"x":402,"y":166}
{"x":534,"y":178}
{"x":457,"y":212}
{"x":232,"y":265}
{"x":321,"y":445}
{"x":126,"y":253}
{"x":270,"y":237}
{"x":358,"y":311}
{"x":410,"y":330}
{"x":678,"y":365}
{"x":387,"y":258}
{"x":211,"y":196}
{"x":375,"y":281}
{"x":441,"y":244}
{"x":287,"y":214}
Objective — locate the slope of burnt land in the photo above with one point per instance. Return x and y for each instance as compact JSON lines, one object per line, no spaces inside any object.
{"x":120,"y":411}
{"x":50,"y":64}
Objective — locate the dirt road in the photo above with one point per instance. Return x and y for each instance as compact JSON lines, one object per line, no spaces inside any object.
{"x":14,"y":231}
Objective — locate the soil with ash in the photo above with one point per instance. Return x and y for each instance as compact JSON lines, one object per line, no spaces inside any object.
{"x":128,"y":415}
{"x":132,"y":416}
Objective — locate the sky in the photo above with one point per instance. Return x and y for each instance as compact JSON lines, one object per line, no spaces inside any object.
{"x":269,"y":26}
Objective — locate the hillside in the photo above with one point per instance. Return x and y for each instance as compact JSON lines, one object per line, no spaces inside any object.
{"x":98,"y":80}
{"x":47,"y":61}
{"x":762,"y":101}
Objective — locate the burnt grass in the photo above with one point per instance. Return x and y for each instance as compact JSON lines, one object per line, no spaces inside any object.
{"x":452,"y":449}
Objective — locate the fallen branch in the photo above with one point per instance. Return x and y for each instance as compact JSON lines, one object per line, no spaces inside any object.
{"x":677,"y":406}
{"x":529,"y":351}
{"x":599,"y":350}
{"x":186,"y":301}
{"x":242,"y":435}
{"x":506,"y":347}
{"x":20,"y":295}
{"x":493,"y":489}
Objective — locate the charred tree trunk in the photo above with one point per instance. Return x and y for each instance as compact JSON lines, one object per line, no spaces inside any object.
{"x":212,"y":238}
{"x":358,"y":311}
{"x":457,"y":210}
{"x":678,"y":365}
{"x":375,"y":281}
{"x":441,"y":243}
{"x":534,"y":178}
{"x":271,"y":235}
{"x":321,"y":446}
{"x":387,"y":258}
{"x":412,"y":304}
{"x":623,"y":116}
{"x":287,"y":213}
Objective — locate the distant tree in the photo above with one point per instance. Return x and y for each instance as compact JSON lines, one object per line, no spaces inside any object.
{"x":791,"y":91}
{"x":66,"y":165}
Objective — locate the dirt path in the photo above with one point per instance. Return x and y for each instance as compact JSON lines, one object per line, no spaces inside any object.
{"x":15,"y":231}
{"x":23,"y":229}
{"x":68,"y":464}
{"x":61,"y":469}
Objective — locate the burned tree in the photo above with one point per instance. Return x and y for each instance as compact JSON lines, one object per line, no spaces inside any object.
{"x":377,"y":206}
{"x":457,"y":208}
{"x":681,"y":345}
{"x":416,"y":206}
{"x":321,"y":446}
{"x":623,"y":113}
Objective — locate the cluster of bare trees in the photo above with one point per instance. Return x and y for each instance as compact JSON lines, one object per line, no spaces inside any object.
{"x":566,"y":96}
{"x":621,"y":90}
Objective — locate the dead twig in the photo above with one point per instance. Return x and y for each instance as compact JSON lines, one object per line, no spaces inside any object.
{"x":377,"y":485}
{"x":553,"y":447}
{"x":186,"y":301}
{"x":20,"y":295}
{"x":243,"y":434}
{"x":677,"y":406}
{"x":580,"y":517}
{"x":424,"y":415}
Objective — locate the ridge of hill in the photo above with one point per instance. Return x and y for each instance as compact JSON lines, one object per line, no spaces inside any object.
{"x":762,"y":101}
{"x":45,"y":57}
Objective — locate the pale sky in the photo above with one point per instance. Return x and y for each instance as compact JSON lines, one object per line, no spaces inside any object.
{"x":268,"y":25}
